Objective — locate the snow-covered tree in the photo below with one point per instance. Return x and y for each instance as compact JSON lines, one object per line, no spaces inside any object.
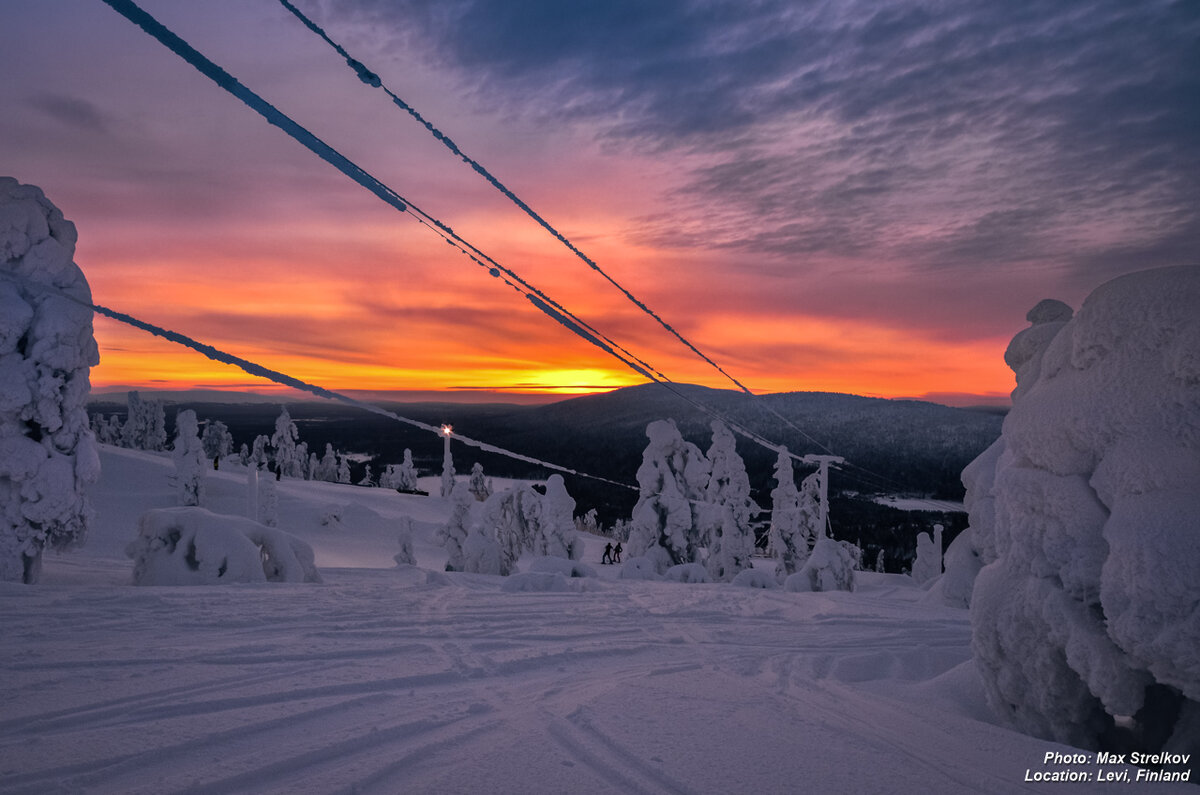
{"x":47,"y":452}
{"x":453,"y":535}
{"x":788,"y":538}
{"x":928,"y":563}
{"x":259,"y":456}
{"x":482,"y":554}
{"x":190,"y":459}
{"x":367,"y":479}
{"x":479,"y":484}
{"x":145,"y":425}
{"x":312,"y":470}
{"x":244,"y":455}
{"x":343,"y":469}
{"x":405,"y":556}
{"x":588,"y":523}
{"x":301,"y":459}
{"x":283,"y":445}
{"x":1084,"y":515}
{"x":879,"y":561}
{"x":513,"y":519}
{"x":672,"y":480}
{"x":406,"y":475}
{"x":156,"y":424}
{"x":217,"y":440}
{"x":327,"y":470}
{"x":729,"y":536}
{"x":556,"y":527}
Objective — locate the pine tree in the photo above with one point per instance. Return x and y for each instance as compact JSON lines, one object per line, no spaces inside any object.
{"x":407,"y":474}
{"x":217,"y":441}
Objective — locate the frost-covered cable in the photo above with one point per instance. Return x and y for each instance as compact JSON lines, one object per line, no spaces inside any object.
{"x":283,"y":379}
{"x":135,"y":14}
{"x":372,"y":79}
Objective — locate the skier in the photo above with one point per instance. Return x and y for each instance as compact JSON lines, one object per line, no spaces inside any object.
{"x":607,"y":558}
{"x":617,"y":553}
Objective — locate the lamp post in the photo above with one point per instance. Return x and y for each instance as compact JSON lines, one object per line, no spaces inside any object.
{"x":447,"y":462}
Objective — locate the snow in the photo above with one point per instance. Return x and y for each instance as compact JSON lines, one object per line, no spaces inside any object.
{"x":1085,"y":516}
{"x":387,"y":679}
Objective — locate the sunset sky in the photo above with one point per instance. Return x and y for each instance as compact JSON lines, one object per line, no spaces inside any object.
{"x":846,"y":196}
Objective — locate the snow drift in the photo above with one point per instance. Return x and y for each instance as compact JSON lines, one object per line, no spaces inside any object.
{"x":1087,"y":516}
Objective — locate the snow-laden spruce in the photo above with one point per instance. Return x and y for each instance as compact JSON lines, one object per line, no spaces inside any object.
{"x":928,"y":563}
{"x":1087,"y":516}
{"x":188,"y":453}
{"x":669,"y":514}
{"x":47,"y":450}
{"x":217,"y":441}
{"x":794,"y":517}
{"x":729,"y":537}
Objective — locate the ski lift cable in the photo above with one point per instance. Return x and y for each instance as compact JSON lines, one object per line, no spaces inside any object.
{"x":135,"y":14}
{"x":283,"y":379}
{"x":373,"y":80}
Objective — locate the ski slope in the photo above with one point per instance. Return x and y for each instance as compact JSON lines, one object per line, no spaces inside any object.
{"x":388,"y":679}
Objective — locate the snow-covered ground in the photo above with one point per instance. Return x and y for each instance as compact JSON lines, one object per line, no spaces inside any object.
{"x":387,"y":680}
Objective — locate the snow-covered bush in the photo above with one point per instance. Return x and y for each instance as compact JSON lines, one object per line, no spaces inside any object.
{"x":672,"y":480}
{"x":559,"y":565}
{"x":1085,"y":515}
{"x":728,"y":536}
{"x":687,"y":572}
{"x":755,"y":578}
{"x":188,"y":453}
{"x":47,"y":451}
{"x":830,"y":567}
{"x":928,"y":563}
{"x":482,"y":553}
{"x":640,"y":568}
{"x":193,"y":546}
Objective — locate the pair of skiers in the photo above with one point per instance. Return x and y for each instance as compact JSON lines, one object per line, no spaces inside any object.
{"x":611,"y":554}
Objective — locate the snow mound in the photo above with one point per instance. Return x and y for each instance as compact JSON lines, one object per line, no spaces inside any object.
{"x":554,"y":565}
{"x":1086,"y":516}
{"x":755,"y":578}
{"x":193,"y":546}
{"x":687,"y":572}
{"x":640,"y":568}
{"x":830,"y":567}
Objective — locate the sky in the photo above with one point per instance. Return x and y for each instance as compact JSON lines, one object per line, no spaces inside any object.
{"x":846,"y":196}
